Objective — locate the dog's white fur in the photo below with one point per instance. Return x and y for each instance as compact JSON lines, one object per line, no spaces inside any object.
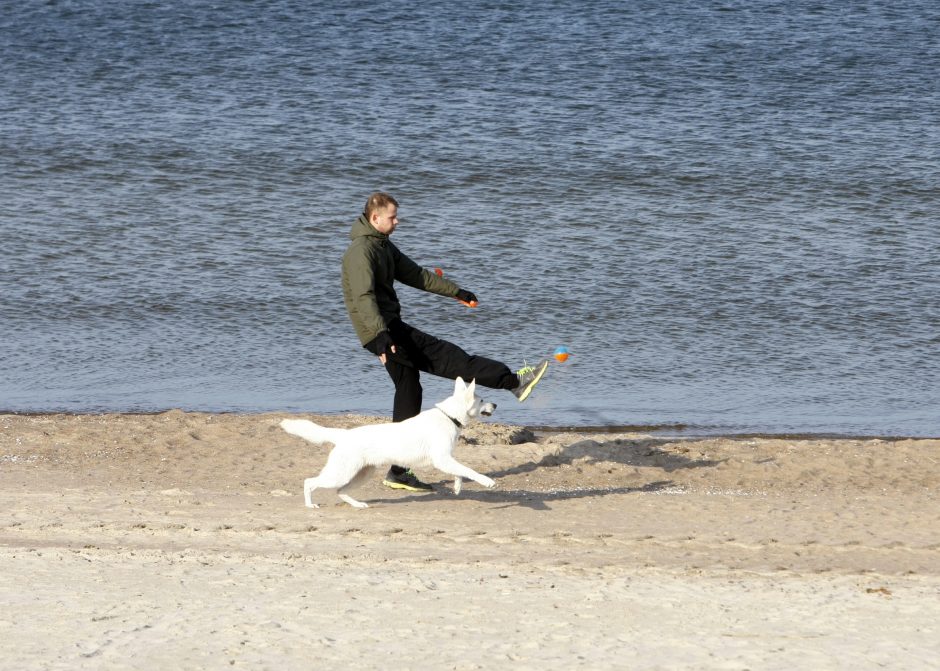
{"x":426,"y":439}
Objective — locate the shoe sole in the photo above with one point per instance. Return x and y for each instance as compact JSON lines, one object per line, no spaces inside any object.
{"x":399,"y":485}
{"x":528,"y":390}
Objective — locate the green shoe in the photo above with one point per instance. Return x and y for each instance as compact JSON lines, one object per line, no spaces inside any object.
{"x":529,"y":376}
{"x":407,"y":480}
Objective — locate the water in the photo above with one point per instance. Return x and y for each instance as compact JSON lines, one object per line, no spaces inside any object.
{"x":726,"y":210}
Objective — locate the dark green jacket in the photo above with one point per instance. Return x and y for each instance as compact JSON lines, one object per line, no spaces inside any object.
{"x":371,"y":265}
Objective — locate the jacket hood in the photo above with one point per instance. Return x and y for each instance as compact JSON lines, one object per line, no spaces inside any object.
{"x":362,"y":228}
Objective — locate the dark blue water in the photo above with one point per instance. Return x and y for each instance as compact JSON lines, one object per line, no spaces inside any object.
{"x":726,"y":210}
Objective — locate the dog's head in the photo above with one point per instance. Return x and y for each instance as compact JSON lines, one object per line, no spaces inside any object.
{"x":467,"y":401}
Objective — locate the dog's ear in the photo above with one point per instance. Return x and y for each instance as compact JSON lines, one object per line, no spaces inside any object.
{"x":471,"y":388}
{"x":459,"y":385}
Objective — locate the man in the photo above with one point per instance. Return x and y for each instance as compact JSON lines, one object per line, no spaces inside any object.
{"x":371,"y":266}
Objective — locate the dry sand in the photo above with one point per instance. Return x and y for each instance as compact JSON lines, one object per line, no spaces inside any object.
{"x":180,"y":541}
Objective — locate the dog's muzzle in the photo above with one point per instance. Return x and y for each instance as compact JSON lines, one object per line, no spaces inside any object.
{"x":487,"y":409}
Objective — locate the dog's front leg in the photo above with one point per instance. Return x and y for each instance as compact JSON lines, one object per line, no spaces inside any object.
{"x":353,"y":502}
{"x":453,"y":467}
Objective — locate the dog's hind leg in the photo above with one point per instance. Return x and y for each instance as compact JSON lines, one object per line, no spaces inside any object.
{"x":309,"y":485}
{"x":356,"y":481}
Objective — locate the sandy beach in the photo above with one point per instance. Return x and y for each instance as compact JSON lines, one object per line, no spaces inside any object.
{"x":180,"y":540}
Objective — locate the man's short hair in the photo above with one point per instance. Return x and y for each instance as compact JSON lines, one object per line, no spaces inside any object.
{"x":378,"y":201}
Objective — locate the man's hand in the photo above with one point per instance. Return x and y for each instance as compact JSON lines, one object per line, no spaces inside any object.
{"x":381,"y":346}
{"x":384,"y":358}
{"x":465,"y":296}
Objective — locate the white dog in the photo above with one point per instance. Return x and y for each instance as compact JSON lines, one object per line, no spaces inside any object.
{"x":426,"y":439}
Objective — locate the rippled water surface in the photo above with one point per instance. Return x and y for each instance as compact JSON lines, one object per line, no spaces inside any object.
{"x":726,"y":210}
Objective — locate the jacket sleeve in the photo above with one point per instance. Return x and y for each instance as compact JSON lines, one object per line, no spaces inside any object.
{"x":410,"y":273}
{"x":359,"y":275}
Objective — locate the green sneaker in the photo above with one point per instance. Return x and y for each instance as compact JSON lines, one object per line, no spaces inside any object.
{"x":407,"y":480}
{"x":529,"y":376}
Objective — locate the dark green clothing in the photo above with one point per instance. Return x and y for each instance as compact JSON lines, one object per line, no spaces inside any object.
{"x":371,"y":265}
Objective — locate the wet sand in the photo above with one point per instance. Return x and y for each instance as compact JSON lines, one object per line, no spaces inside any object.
{"x":180,"y":540}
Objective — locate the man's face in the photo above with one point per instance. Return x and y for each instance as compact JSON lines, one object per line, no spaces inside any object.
{"x":385,"y":221}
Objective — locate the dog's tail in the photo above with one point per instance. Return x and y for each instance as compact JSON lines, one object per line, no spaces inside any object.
{"x":309,"y":431}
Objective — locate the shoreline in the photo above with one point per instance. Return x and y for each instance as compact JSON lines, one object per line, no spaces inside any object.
{"x":677,"y":430}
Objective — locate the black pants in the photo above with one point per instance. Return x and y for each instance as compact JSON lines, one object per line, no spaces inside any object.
{"x":418,"y":352}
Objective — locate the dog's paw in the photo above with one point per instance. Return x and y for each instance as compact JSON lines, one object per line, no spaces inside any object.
{"x":458,"y":483}
{"x":487,"y":482}
{"x":353,"y":502}
{"x":312,"y":505}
